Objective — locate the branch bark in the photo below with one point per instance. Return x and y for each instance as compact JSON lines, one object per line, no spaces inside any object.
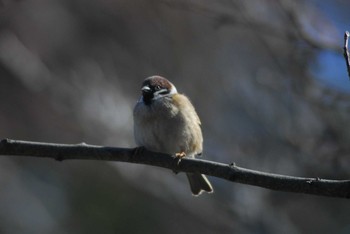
{"x":231,"y":172}
{"x":346,"y":51}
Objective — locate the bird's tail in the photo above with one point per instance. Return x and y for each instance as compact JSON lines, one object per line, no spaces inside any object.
{"x":199,"y":183}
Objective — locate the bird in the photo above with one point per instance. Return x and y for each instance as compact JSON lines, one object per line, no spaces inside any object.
{"x":165,"y":121}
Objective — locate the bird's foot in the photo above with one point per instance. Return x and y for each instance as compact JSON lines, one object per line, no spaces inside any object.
{"x":178,"y":157}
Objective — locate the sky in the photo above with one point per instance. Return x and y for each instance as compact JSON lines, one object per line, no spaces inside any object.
{"x":330,"y":67}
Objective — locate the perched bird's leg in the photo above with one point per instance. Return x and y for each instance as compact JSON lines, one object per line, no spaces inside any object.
{"x":178,"y":157}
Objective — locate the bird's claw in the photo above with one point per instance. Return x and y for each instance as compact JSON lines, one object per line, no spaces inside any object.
{"x":178,"y":157}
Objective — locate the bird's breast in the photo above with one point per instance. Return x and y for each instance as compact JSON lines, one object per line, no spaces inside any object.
{"x":163,"y":127}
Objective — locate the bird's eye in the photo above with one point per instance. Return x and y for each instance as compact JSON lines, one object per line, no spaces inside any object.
{"x":158,"y":87}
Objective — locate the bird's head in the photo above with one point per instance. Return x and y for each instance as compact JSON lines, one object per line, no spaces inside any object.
{"x":156,"y":87}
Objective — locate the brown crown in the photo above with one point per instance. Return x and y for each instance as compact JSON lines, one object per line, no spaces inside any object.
{"x":154,"y":81}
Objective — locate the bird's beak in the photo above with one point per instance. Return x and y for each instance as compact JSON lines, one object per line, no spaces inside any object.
{"x":146,"y":89}
{"x":147,"y":94}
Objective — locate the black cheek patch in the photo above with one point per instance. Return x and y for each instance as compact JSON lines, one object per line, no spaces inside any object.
{"x":147,"y":97}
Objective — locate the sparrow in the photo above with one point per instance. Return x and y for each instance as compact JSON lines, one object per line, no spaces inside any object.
{"x":166,"y":121}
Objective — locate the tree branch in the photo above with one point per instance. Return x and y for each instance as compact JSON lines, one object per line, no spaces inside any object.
{"x":231,"y":172}
{"x":346,"y":51}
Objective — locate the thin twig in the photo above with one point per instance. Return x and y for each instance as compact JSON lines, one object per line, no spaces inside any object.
{"x":346,"y":51}
{"x":231,"y":172}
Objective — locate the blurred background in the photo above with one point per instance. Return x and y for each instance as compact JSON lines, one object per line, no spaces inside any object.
{"x":267,"y":78}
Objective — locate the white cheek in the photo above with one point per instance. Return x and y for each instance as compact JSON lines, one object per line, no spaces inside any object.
{"x":173,"y":90}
